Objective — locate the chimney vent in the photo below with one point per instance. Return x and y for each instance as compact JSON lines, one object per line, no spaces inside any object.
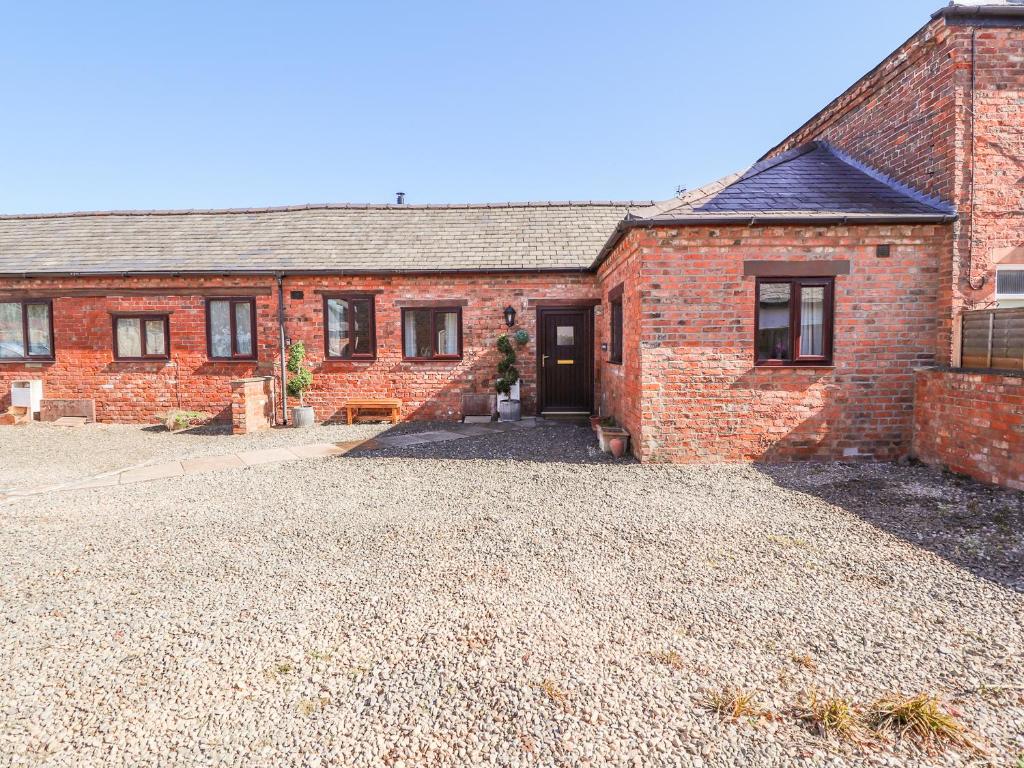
{"x":400,"y":198}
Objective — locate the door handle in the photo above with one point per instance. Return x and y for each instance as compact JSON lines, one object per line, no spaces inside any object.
{"x":544,"y":359}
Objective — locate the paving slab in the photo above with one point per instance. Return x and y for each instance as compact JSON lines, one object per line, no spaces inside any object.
{"x":350,"y":445}
{"x":472,"y":430}
{"x":267,"y":456}
{"x":70,"y":421}
{"x":152,"y":472}
{"x":95,"y":482}
{"x":211,"y":463}
{"x":315,"y":450}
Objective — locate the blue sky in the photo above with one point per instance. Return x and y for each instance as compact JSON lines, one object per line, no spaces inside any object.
{"x":214,"y":104}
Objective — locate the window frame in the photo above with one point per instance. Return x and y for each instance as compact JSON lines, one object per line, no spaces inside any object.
{"x":434,"y":310}
{"x":615,"y":344}
{"x":27,"y":357}
{"x":232,"y":301}
{"x":351,"y":296}
{"x":142,"y":317}
{"x":796,"y":285}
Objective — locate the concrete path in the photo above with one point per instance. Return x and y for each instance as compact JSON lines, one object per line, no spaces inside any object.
{"x":204,"y":464}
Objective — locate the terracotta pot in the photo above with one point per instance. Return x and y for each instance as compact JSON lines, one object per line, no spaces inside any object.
{"x":618,"y":446}
{"x":595,"y":422}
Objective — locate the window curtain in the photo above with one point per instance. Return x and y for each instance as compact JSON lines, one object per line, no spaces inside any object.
{"x":812,"y":321}
{"x":11,"y":343}
{"x":129,"y":337}
{"x":448,"y":337}
{"x":243,"y":327}
{"x":156,"y":344}
{"x":337,"y":328}
{"x":220,"y":328}
{"x":410,"y":334}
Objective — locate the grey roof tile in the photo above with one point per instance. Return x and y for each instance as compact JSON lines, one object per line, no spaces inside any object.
{"x":334,"y":237}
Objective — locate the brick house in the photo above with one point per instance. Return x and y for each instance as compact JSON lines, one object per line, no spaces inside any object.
{"x":781,"y":312}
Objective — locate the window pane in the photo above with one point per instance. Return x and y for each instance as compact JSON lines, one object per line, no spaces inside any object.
{"x":417,"y":333}
{"x":129,"y":339}
{"x":616,"y":332}
{"x":1010,"y":282}
{"x":11,"y":343}
{"x":243,"y":327}
{"x":773,"y":321}
{"x":812,"y":320}
{"x":156,"y":341}
{"x":361,"y":330}
{"x":220,"y":328}
{"x":337,"y":328}
{"x":448,"y":333}
{"x":39,"y":330}
{"x":565,"y":335}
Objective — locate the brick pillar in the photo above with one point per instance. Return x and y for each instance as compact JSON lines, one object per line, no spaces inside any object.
{"x":252,"y":405}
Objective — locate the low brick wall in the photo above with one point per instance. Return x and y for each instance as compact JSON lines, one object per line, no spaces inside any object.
{"x":971,"y":423}
{"x":252,"y":405}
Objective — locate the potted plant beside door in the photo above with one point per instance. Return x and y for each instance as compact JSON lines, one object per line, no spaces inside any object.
{"x":300,"y":380}
{"x":509,"y":409}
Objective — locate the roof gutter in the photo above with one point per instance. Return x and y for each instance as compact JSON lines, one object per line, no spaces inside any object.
{"x":25,"y":275}
{"x":756,"y":221}
{"x":980,"y":11}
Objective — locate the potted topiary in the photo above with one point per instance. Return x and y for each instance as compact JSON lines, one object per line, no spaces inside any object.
{"x":300,"y":380}
{"x":509,"y":406}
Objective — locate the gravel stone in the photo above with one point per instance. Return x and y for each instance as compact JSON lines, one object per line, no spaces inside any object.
{"x":515,"y":599}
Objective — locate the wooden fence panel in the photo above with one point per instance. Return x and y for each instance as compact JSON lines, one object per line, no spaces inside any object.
{"x":993,"y":338}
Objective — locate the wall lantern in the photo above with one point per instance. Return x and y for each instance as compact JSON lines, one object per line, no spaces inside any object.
{"x":510,"y":316}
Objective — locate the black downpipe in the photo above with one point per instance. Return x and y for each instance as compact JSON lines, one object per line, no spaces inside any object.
{"x":284,"y":369}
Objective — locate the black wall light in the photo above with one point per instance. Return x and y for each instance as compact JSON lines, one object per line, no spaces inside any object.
{"x":510,"y":316}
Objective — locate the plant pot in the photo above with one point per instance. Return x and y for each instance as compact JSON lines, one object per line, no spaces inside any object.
{"x":618,"y":446}
{"x":302,"y":416}
{"x":509,"y":410}
{"x":595,"y":422}
{"x":605,"y":435}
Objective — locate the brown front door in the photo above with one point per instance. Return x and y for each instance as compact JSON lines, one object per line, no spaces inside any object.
{"x":565,"y":359}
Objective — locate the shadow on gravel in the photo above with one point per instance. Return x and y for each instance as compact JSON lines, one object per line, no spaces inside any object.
{"x":546,"y":442}
{"x":977,"y":527}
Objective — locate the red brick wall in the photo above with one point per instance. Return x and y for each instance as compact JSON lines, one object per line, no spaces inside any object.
{"x":998,"y":210}
{"x":912,"y":119}
{"x":431,"y":390}
{"x":139,"y":391}
{"x":972,"y":424}
{"x":702,"y":397}
{"x":621,"y":384}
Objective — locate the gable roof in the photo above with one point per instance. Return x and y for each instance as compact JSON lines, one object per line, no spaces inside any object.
{"x":812,"y":184}
{"x":312,"y":239}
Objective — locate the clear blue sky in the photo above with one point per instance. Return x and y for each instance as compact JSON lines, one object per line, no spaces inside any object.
{"x":213,"y":104}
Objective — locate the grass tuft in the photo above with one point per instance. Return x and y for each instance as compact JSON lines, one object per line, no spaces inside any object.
{"x":732,"y":703}
{"x":920,"y":719}
{"x":669,"y":658}
{"x":830,"y":716}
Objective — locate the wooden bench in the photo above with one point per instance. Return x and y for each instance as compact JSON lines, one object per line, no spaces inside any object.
{"x":392,"y":407}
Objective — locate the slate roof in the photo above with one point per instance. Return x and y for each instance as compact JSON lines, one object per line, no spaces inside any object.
{"x":810,"y":182}
{"x":325,"y":238}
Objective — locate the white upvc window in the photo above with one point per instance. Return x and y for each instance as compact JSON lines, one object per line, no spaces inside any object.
{"x":1010,"y":285}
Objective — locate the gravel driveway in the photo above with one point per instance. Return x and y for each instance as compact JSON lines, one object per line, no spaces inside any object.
{"x":536,"y":607}
{"x":40,"y":454}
